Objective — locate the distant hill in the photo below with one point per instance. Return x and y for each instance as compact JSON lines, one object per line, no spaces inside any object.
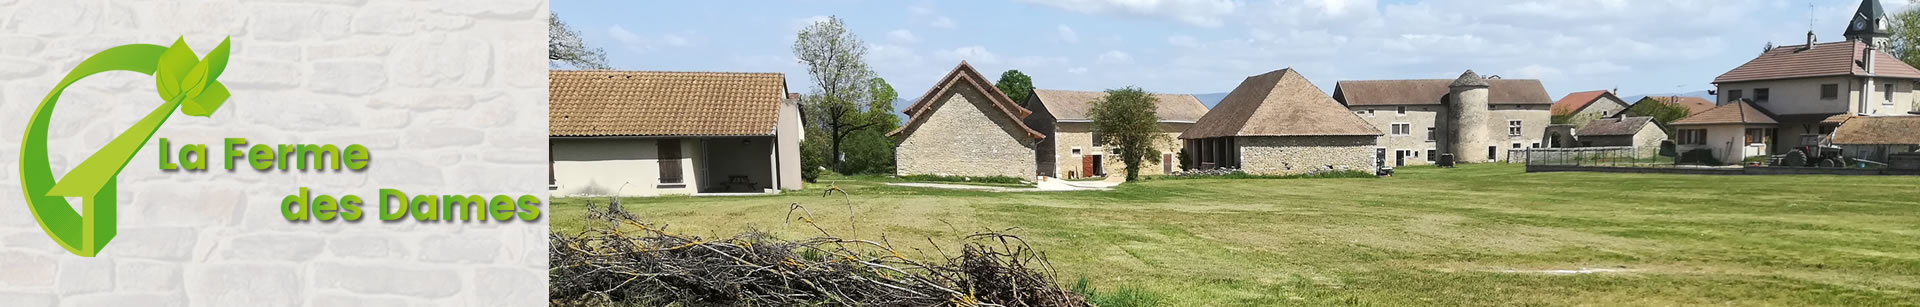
{"x":900,"y":107}
{"x":1702,"y":94}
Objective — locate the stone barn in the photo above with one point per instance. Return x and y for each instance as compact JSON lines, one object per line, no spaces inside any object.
{"x":1277,"y":123}
{"x":963,"y":126}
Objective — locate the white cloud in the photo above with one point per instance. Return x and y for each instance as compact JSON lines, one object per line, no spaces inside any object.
{"x":1114,"y":57}
{"x":903,"y":36}
{"x":636,"y":42}
{"x":1534,"y":71}
{"x":974,"y":54}
{"x":1183,"y":41}
{"x":925,"y":14}
{"x":628,"y":39}
{"x":941,"y":22}
{"x":802,"y":23}
{"x":1077,"y":70}
{"x":675,"y":40}
{"x":1204,"y":13}
{"x":1067,"y":34}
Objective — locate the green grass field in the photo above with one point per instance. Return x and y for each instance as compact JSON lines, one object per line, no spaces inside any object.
{"x":1485,"y":235}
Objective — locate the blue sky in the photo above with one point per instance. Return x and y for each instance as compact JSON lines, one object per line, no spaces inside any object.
{"x":1209,"y":46}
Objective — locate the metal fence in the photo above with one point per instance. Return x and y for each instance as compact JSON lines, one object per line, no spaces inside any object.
{"x":1618,"y":156}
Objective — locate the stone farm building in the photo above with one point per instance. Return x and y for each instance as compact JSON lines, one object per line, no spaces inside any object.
{"x":1277,"y":123}
{"x":647,"y":133}
{"x":1582,"y":107}
{"x":963,"y":126}
{"x":1641,"y":133}
{"x":1068,"y":150}
{"x":1805,"y":92}
{"x":1476,"y":119}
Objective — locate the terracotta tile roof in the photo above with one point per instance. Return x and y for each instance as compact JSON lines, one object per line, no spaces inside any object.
{"x":1823,"y":60}
{"x":1615,"y":126}
{"x":1695,"y":105}
{"x":655,"y":103}
{"x":1878,"y":130}
{"x":1279,"y":103}
{"x":964,"y":75}
{"x":1576,"y":101}
{"x":1738,"y":112}
{"x":1073,"y":105}
{"x":1430,"y":92}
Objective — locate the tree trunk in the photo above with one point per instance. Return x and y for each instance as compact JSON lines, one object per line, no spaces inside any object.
{"x":834,"y":154}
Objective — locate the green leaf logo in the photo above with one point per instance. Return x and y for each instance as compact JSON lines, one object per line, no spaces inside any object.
{"x":183,"y":81}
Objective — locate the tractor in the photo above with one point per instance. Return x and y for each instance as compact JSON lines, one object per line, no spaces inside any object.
{"x":1813,"y":156}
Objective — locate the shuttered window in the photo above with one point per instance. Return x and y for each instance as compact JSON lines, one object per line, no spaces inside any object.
{"x":670,"y":172}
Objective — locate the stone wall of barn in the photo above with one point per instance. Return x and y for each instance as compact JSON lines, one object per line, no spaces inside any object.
{"x":965,"y":135}
{"x":1270,"y":155}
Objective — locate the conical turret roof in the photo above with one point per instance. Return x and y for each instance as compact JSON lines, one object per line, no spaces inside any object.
{"x":1469,"y":79}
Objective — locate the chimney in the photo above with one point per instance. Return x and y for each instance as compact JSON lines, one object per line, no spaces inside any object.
{"x":1810,"y":39}
{"x":793,"y":95}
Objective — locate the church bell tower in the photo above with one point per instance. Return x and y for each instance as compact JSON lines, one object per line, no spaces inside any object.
{"x":1869,"y":24}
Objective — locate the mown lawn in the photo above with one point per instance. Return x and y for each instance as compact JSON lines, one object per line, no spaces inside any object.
{"x":1484,"y":235}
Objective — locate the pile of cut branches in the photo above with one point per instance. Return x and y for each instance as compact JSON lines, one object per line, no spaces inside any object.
{"x":623,"y":260}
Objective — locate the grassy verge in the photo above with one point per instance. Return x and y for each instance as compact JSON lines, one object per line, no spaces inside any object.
{"x":1479,"y":235}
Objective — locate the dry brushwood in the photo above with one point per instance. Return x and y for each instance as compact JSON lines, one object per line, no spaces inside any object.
{"x":621,"y":260}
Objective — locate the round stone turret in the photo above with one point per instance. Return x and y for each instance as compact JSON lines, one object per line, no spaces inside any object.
{"x":1467,"y":114}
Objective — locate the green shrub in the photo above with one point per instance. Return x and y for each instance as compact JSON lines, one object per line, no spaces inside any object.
{"x":975,"y":179}
{"x":1124,"y":297}
{"x":1244,"y":175}
{"x":1702,"y":156}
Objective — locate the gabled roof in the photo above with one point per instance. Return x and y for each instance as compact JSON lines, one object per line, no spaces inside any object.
{"x":1279,"y":103}
{"x":1694,"y":105}
{"x":586,"y":103}
{"x":1073,"y":105}
{"x":1616,"y":126}
{"x":1878,"y":130}
{"x":1738,"y":112}
{"x":1823,"y":60}
{"x":1576,"y":101}
{"x":1431,"y":92}
{"x":964,"y":75}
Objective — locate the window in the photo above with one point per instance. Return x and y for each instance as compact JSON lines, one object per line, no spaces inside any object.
{"x":1829,"y":91}
{"x":1401,"y":110}
{"x":1430,"y":154}
{"x":1733,"y":95}
{"x":1759,"y":136}
{"x":1888,"y":91}
{"x":1513,"y":128}
{"x":1076,"y":151}
{"x":1604,"y":113}
{"x":1692,"y":137}
{"x":1369,"y":113}
{"x":1516,"y":146}
{"x":1536,"y":145}
{"x":669,"y":150}
{"x":1430,"y":134}
{"x":1761,"y":94}
{"x":1402,"y":129}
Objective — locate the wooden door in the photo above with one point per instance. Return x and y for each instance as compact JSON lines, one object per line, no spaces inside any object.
{"x":1086,"y":166}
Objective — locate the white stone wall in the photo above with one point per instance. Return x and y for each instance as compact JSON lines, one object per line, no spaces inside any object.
{"x":1802,"y":96}
{"x":1297,"y":155}
{"x":1600,"y":108}
{"x":1534,"y":120}
{"x":1418,"y":117}
{"x":960,"y":138}
{"x":1078,"y":135}
{"x":447,"y":95}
